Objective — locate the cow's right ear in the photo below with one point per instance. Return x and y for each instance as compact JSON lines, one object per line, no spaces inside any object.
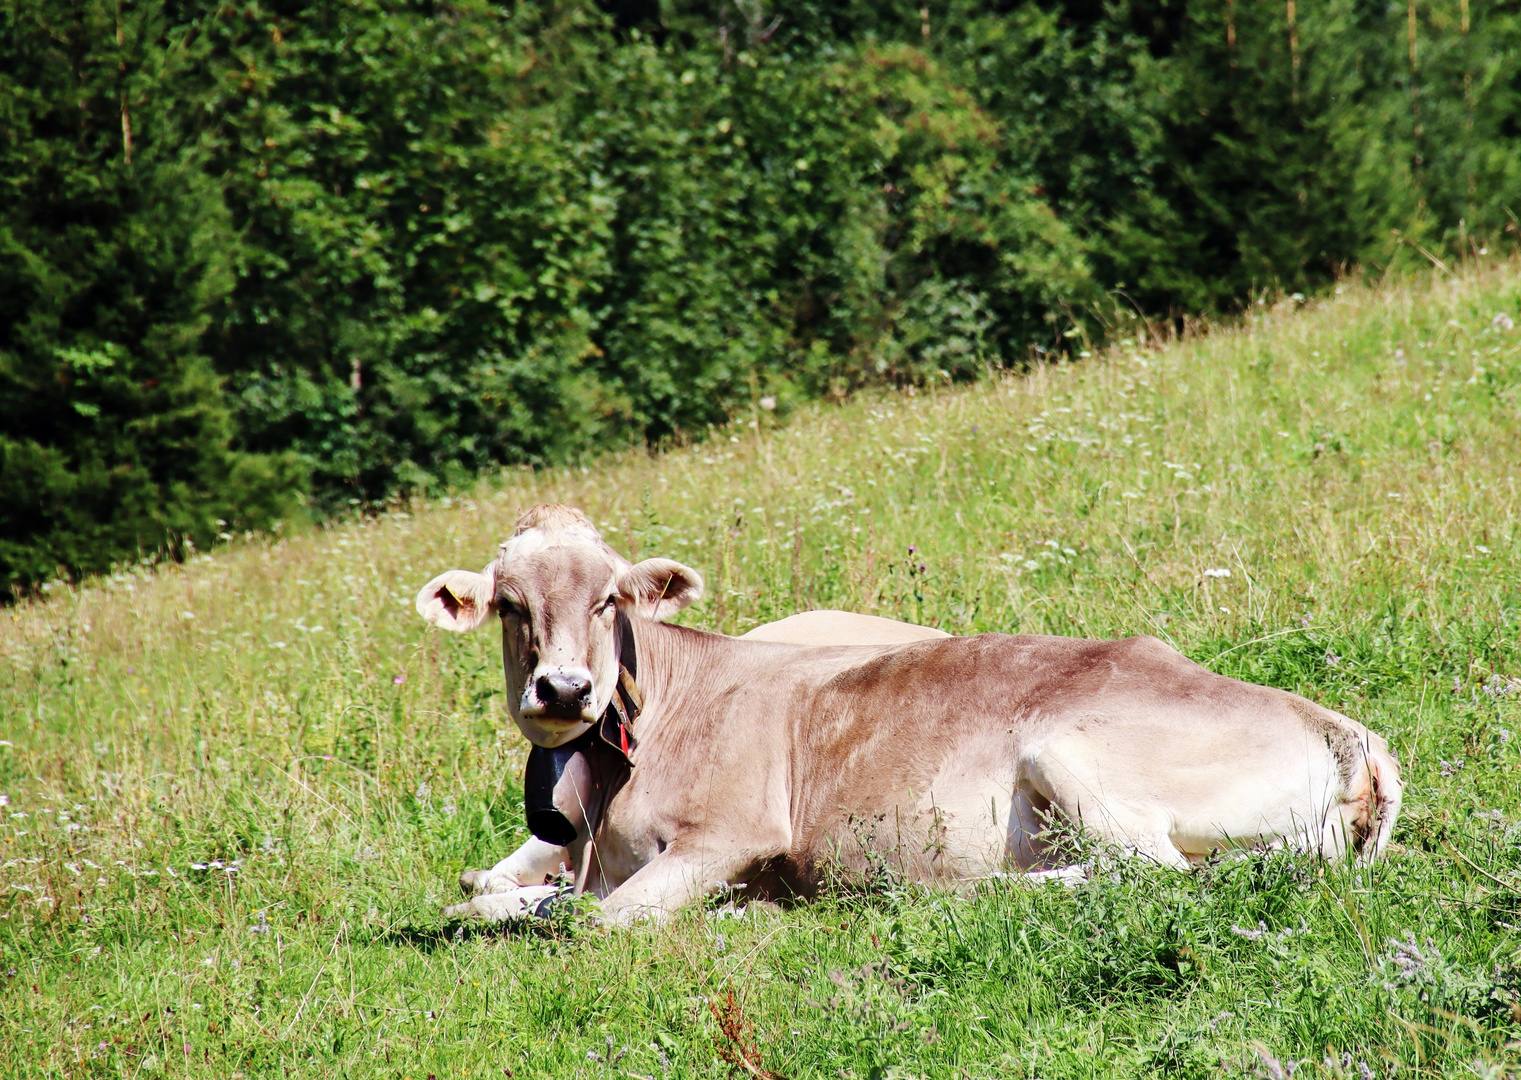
{"x":458,"y":600}
{"x":659,"y":588}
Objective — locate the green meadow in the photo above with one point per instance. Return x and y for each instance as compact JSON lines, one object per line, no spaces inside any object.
{"x":239,"y":790}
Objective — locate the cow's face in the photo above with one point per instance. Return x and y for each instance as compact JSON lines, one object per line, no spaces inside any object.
{"x":557,"y":587}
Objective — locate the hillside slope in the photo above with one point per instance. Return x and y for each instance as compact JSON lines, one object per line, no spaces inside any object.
{"x":238,"y":791}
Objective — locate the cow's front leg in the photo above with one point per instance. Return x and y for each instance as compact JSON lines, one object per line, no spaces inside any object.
{"x":532,"y":864}
{"x":676,"y":877}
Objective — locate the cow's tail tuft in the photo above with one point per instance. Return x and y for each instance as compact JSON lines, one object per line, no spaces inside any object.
{"x":1385,"y":792}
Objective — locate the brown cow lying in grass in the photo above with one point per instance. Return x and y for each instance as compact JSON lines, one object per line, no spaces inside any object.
{"x":750,"y":761}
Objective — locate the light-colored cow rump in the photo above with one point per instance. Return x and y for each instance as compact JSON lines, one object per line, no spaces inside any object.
{"x":830,"y":627}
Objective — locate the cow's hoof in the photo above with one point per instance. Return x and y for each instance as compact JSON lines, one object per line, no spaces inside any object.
{"x":479,"y":882}
{"x":515,"y":906}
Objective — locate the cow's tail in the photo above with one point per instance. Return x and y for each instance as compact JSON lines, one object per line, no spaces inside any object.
{"x":1381,"y":797}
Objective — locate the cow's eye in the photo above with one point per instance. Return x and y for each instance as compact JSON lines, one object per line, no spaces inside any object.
{"x":608,"y":605}
{"x":507,"y":607}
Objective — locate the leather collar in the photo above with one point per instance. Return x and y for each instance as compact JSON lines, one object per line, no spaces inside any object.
{"x":616,"y":726}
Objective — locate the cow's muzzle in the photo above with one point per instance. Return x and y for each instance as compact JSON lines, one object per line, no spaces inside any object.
{"x":560,"y":694}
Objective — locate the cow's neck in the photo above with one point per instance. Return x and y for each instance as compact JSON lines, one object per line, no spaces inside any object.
{"x":675,"y":665}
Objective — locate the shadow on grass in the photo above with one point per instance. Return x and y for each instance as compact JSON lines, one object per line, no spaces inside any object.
{"x":432,"y":939}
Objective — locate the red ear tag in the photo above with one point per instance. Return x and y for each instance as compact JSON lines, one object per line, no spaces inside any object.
{"x":623,"y":737}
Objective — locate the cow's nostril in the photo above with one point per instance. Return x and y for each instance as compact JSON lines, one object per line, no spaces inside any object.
{"x":560,"y":690}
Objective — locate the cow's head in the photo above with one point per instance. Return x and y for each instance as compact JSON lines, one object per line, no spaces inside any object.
{"x":556,"y":587}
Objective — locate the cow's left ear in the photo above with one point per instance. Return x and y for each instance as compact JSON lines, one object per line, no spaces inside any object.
{"x":457,"y":600}
{"x":659,"y":588}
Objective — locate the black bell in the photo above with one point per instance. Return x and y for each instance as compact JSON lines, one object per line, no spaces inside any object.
{"x":555,"y":785}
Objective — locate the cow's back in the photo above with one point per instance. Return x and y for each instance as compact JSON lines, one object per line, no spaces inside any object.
{"x":830,"y":627}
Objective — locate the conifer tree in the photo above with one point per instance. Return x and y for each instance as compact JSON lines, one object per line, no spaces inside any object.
{"x":115,"y":437}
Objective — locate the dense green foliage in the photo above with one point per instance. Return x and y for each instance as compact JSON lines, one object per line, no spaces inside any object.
{"x":414,"y":240}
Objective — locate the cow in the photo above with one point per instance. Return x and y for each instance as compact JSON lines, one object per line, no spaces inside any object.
{"x":712,"y":761}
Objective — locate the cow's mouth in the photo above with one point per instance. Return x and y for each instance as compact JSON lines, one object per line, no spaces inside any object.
{"x":557,"y":714}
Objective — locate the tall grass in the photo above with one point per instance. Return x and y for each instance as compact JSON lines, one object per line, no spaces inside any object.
{"x":239,"y":790}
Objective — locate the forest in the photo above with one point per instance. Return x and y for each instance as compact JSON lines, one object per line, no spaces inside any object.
{"x":269,"y":262}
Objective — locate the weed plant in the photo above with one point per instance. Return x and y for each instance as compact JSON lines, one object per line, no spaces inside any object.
{"x":237,"y":792}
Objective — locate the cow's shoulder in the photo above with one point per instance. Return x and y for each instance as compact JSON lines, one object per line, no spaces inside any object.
{"x":922,"y":664}
{"x":1028,"y":660}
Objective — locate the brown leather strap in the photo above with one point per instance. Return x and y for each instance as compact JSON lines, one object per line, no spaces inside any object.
{"x":616,"y":728}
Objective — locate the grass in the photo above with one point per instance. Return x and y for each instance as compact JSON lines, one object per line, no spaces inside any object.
{"x":239,"y":790}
